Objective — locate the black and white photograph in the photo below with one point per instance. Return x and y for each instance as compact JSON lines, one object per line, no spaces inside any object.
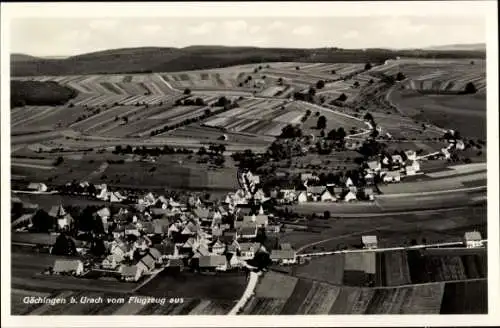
{"x":184,"y":161}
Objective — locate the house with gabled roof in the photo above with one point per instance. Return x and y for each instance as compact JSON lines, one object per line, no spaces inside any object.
{"x":473,"y":239}
{"x":201,"y":213}
{"x":348,"y":182}
{"x":213,"y":263}
{"x":373,"y":166}
{"x":131,"y":229}
{"x":248,"y":250}
{"x":283,"y":256}
{"x":146,"y":263}
{"x":412,"y":167}
{"x":392,"y":176}
{"x":131,"y":273}
{"x":74,"y":267}
{"x":110,"y":262}
{"x":218,"y":247}
{"x":246,"y":232}
{"x":327,"y":196}
{"x":350,"y":196}
{"x":369,"y":241}
{"x":38,"y":186}
{"x":302,"y":197}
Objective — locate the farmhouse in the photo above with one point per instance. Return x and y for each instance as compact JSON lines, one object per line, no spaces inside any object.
{"x":412,"y":168}
{"x":131,"y":273}
{"x":110,"y":262}
{"x":392,"y":176}
{"x":213,"y":262}
{"x":146,"y":264}
{"x":411,"y":155}
{"x":302,"y":197}
{"x":218,"y":247}
{"x":39,"y":187}
{"x":350,"y":196}
{"x":473,"y":239}
{"x":369,"y":242}
{"x":283,"y":256}
{"x":74,"y":267}
{"x":327,"y":196}
{"x":373,"y":166}
{"x":247,"y":232}
{"x":248,"y":250}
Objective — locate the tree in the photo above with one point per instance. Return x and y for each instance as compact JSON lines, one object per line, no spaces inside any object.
{"x":308,"y":112}
{"x":368,"y":66}
{"x":320,"y":84}
{"x":356,"y":84}
{"x":206,"y":112}
{"x":125,"y":119}
{"x":334,"y":72}
{"x":326,"y":215}
{"x":321,"y":124}
{"x":322,"y":133}
{"x":59,"y":161}
{"x":64,"y":245}
{"x":97,"y":247}
{"x":42,"y":222}
{"x":400,"y":76}
{"x":311,"y":92}
{"x":187,"y":91}
{"x":280,"y":81}
{"x":342,"y":97}
{"x":368,"y":117}
{"x":470,"y":88}
{"x":297,"y":68}
{"x":199,"y":102}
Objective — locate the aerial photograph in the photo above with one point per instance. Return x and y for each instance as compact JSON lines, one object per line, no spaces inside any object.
{"x":248,"y":165}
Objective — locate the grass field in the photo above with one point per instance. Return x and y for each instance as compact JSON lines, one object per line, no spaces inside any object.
{"x":465,"y":113}
{"x":314,"y":297}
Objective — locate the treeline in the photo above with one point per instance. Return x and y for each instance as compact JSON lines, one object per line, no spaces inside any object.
{"x":153,"y":151}
{"x":36,"y":93}
{"x":143,"y":60}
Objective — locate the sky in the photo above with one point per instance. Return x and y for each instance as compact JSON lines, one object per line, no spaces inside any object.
{"x":71,"y":36}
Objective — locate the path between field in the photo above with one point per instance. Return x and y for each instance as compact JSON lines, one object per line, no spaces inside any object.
{"x":377,"y":250}
{"x":247,"y":294}
{"x":341,"y":236}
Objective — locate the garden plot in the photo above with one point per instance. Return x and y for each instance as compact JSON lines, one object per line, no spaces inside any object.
{"x":275,"y":285}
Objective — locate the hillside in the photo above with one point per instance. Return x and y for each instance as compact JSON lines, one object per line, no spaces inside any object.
{"x":22,"y":58}
{"x":459,"y":47}
{"x":151,"y":59}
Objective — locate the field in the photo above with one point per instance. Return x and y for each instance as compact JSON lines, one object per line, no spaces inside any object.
{"x":438,"y":75}
{"x":465,"y":113}
{"x":313,"y":297}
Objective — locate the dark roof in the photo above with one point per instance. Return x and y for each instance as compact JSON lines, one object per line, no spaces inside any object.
{"x":148,"y":261}
{"x":155,"y":253}
{"x":129,"y":270}
{"x":248,"y":230}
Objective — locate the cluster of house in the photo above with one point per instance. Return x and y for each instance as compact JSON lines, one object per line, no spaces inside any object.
{"x":392,"y":168}
{"x":345,"y":191}
{"x":167,"y":233}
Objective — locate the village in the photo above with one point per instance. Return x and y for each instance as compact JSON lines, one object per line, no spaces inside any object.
{"x":153,"y":232}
